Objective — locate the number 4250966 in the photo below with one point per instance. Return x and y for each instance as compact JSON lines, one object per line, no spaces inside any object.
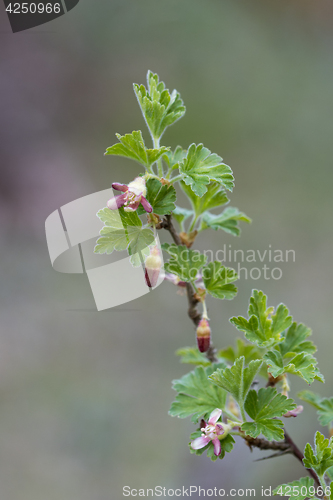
{"x":33,"y":8}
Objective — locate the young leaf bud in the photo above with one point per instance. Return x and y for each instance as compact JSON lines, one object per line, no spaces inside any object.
{"x":203,"y":335}
{"x":153,"y":266}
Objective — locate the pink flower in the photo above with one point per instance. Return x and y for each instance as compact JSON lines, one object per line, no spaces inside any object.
{"x":134,"y":194}
{"x":212,"y":431}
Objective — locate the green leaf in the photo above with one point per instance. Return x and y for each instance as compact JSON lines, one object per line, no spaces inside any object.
{"x":297,"y":490}
{"x":197,"y":396}
{"x":237,"y":380}
{"x":214,"y":197}
{"x":200,"y":167}
{"x":172,"y":158}
{"x":263,"y":407}
{"x":133,"y":146}
{"x":192,"y":355}
{"x":123,"y":230}
{"x":323,"y":405}
{"x":227,"y":220}
{"x":249,"y":351}
{"x":117,"y":219}
{"x":217,"y":280}
{"x":159,"y":107}
{"x":329,"y":473}
{"x":184,"y":263}
{"x":264,"y":327}
{"x":227,"y":445}
{"x":303,"y":365}
{"x":128,"y":218}
{"x":162,"y":198}
{"x":326,"y":412}
{"x":321,"y":458}
{"x":311,"y":398}
{"x":294,"y":341}
{"x":133,"y":238}
{"x":294,"y":355}
{"x":181,"y":215}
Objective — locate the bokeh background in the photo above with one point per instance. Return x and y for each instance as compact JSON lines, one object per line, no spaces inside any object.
{"x":84,"y":395}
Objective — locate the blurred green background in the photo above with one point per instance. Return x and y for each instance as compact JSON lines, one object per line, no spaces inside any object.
{"x":84,"y":395}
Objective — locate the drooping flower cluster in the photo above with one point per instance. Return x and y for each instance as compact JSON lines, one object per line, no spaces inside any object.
{"x":134,"y":194}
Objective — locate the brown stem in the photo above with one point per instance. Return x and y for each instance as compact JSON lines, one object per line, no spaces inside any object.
{"x":287,"y":439}
{"x":193,"y":302}
{"x":168,"y":225}
{"x":286,"y":446}
{"x":263,"y":444}
{"x":193,"y":312}
{"x":299,"y":455}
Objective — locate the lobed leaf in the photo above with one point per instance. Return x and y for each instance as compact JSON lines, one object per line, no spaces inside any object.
{"x":320,"y":458}
{"x":302,"y":365}
{"x":237,"y":380}
{"x":326,"y":411}
{"x":117,"y":219}
{"x":159,"y":107}
{"x":184,"y":263}
{"x":323,"y":405}
{"x":172,"y":158}
{"x":264,"y":327}
{"x":227,"y":220}
{"x":249,"y":351}
{"x":295,"y":340}
{"x":263,"y":407}
{"x":218,"y":280}
{"x":133,"y":146}
{"x":162,"y":198}
{"x":214,"y":197}
{"x":311,"y":398}
{"x":123,"y":230}
{"x":192,"y":355}
{"x":197,"y":395}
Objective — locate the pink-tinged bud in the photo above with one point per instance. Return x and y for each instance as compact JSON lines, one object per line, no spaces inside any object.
{"x":153,"y":266}
{"x":203,"y":335}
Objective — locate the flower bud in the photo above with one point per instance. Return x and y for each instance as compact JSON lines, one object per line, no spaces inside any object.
{"x":294,"y":413}
{"x":153,"y":266}
{"x":203,"y":335}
